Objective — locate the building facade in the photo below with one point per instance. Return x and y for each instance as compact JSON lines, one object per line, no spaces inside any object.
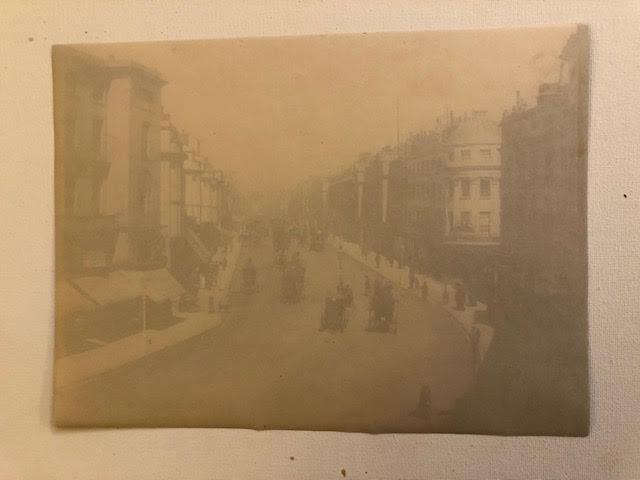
{"x":85,"y":233}
{"x":132,"y":188}
{"x":172,"y":180}
{"x":110,"y":275}
{"x":544,"y":176}
{"x":472,"y":176}
{"x":423,"y":155}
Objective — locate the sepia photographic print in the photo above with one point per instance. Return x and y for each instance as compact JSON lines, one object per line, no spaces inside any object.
{"x":364,"y":233}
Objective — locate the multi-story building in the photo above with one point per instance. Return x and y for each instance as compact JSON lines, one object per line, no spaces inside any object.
{"x":472,"y":212}
{"x":193,"y":183}
{"x":172,"y":180}
{"x":132,"y":187}
{"x":202,"y":187}
{"x":86,"y":235}
{"x":342,"y":199}
{"x":207,"y":205}
{"x":424,"y":155}
{"x":472,"y":176}
{"x":365,"y":203}
{"x":109,"y":242}
{"x":544,"y":184}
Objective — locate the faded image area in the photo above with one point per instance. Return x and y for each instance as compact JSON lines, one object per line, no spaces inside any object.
{"x":365,"y":233}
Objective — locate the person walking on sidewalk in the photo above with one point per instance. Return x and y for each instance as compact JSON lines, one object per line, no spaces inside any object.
{"x":424,"y":410}
{"x":424,"y":290}
{"x":474,"y":344}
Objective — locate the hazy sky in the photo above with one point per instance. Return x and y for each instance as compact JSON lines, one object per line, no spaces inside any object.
{"x":275,"y":110}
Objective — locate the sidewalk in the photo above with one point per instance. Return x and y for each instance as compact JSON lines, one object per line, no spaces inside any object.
{"x":78,"y":367}
{"x":400,"y":276}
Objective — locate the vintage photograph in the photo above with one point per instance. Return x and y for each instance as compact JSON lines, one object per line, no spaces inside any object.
{"x":375,"y":232}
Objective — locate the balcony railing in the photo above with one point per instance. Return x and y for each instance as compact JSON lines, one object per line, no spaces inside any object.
{"x":468,"y":235}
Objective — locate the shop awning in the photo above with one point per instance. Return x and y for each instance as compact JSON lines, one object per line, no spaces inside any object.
{"x":159,"y":285}
{"x":112,"y":288}
{"x":69,"y":300}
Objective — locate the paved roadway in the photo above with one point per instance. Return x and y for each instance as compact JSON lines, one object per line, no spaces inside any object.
{"x":269,"y":366}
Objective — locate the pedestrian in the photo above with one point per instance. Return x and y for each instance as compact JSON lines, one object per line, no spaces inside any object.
{"x":423,"y":410}
{"x":445,"y":294}
{"x":367,"y":285}
{"x":460,"y":296}
{"x":377,"y":260}
{"x":425,"y":290}
{"x":349,"y":295}
{"x":412,"y":278}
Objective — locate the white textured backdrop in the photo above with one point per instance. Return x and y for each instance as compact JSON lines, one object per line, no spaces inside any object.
{"x":30,"y":449}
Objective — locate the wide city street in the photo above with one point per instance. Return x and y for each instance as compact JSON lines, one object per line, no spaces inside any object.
{"x":268,"y":366}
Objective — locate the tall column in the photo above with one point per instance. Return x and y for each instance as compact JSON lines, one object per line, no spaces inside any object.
{"x":360,"y":187}
{"x":325,"y":203}
{"x":385,"y":189}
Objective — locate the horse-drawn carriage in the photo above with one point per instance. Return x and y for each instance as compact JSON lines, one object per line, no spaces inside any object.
{"x":382,"y":310}
{"x":333,"y":316}
{"x":337,"y":309}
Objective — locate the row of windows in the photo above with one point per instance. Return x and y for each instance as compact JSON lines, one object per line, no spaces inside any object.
{"x":423,"y":166}
{"x":465,"y":188}
{"x":465,"y":154}
{"x":465,"y":222}
{"x":422,"y":189}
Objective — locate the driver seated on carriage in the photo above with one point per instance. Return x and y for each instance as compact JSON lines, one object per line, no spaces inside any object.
{"x":345,"y":294}
{"x":382,"y":308}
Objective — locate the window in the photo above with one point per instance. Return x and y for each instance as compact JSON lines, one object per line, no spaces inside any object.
{"x":465,"y":219}
{"x":484,"y":224}
{"x":485,"y":187}
{"x":450,"y":217}
{"x":452,"y":187}
{"x":466,"y":187}
{"x":451,"y":156}
{"x":465,"y":154}
{"x":485,"y":153}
